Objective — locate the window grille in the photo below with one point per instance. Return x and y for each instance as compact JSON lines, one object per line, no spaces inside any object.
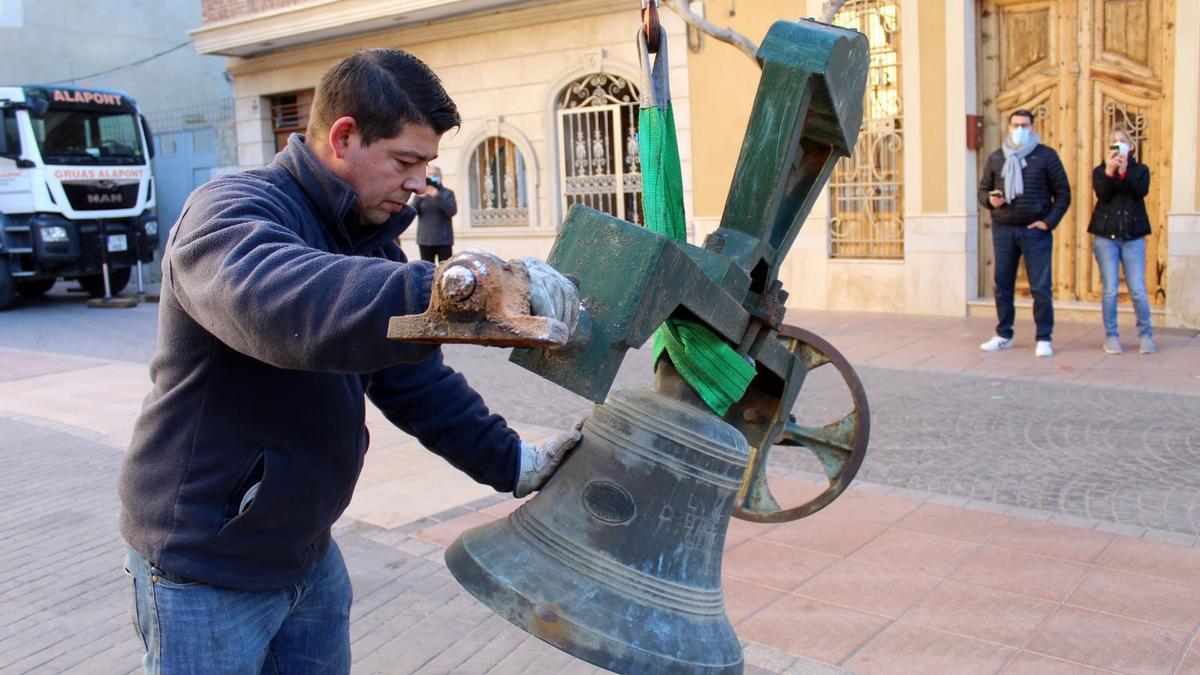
{"x":866,"y":204}
{"x":499,"y":193}
{"x":597,"y":128}
{"x":289,"y":115}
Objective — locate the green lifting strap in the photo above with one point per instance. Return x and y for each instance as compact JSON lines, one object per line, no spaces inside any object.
{"x":709,"y":364}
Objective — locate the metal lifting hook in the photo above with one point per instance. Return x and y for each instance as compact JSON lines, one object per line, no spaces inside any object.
{"x":651,"y":25}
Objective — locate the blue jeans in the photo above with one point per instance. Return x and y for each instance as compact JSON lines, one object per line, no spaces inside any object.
{"x":1132,"y":256}
{"x":190,"y":627}
{"x":1037,"y":246}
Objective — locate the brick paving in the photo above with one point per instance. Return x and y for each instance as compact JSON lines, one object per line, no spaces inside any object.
{"x":65,"y":597}
{"x":1015,"y":515}
{"x":885,"y":583}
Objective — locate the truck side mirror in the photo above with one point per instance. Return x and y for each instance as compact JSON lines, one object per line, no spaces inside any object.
{"x":38,"y":108}
{"x":149,"y":136}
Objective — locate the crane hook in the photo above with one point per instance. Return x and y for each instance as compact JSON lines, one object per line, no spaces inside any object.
{"x":651,"y":25}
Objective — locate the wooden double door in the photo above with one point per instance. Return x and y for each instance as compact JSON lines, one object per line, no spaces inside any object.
{"x":1081,"y":66}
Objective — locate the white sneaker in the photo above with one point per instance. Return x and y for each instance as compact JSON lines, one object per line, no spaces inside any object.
{"x":1044,"y":348}
{"x":996,"y":343}
{"x":1147,"y":345}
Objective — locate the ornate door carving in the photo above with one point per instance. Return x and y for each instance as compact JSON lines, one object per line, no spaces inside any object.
{"x":1081,"y":66}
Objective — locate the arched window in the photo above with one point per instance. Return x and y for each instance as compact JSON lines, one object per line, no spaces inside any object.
{"x":866,"y":204}
{"x":499,"y":194}
{"x":597,"y":131}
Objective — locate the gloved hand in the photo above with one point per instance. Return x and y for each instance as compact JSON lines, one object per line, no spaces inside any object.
{"x":552,"y":294}
{"x":538,"y":463}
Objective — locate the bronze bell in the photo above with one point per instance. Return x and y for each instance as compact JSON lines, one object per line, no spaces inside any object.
{"x":618,"y":559}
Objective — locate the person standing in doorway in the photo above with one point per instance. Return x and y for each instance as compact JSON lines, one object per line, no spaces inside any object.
{"x":435,"y":207}
{"x":1119,"y":227}
{"x":1025,"y":187}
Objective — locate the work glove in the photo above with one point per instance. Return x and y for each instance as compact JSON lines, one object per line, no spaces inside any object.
{"x":551,"y":294}
{"x":538,"y":463}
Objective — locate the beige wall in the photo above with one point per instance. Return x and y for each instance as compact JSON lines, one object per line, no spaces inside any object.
{"x":941,"y":232}
{"x":938,"y":272}
{"x":931,"y":27}
{"x":506,"y":79}
{"x":503,"y":80}
{"x":723,"y":82}
{"x":1183,"y":220}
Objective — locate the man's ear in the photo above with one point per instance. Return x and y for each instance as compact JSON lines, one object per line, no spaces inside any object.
{"x":340,"y":133}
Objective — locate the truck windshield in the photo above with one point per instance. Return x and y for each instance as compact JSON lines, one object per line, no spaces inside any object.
{"x":88,"y":137}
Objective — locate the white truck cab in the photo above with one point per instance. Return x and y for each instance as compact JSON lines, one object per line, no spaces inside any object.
{"x":76,"y":190}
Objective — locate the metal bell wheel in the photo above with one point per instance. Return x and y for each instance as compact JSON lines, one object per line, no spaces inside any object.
{"x":840,"y":446}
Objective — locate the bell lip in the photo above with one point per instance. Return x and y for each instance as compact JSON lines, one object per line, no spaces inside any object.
{"x":519,"y":611}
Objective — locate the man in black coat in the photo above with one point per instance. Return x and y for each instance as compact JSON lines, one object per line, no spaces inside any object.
{"x":1025,"y":187}
{"x":435,"y":207}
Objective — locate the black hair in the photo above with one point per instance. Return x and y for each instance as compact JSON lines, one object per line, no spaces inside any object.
{"x":382,"y":89}
{"x":1020,"y":112}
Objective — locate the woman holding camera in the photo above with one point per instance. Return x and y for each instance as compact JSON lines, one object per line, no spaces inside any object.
{"x":1119,"y":227}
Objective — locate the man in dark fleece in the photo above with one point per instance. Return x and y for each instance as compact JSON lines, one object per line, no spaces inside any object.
{"x":278,"y":284}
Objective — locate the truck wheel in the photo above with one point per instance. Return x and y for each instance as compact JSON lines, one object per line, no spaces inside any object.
{"x":94,"y":283}
{"x":7,"y":287}
{"x":35,"y":289}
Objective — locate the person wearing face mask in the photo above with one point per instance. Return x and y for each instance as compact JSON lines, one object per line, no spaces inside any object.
{"x":1025,"y":187}
{"x":278,"y":285}
{"x":1119,"y":226}
{"x":435,"y":207}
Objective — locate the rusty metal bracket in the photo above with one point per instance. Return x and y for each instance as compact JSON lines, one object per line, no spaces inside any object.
{"x":477,"y":298}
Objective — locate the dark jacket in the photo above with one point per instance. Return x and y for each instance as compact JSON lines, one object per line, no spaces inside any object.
{"x":272,"y":323}
{"x":1120,"y":211}
{"x":433,"y":218}
{"x":1047,"y":191}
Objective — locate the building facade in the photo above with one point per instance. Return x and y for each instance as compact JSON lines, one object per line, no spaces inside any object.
{"x":143,"y":49}
{"x":548,"y":92}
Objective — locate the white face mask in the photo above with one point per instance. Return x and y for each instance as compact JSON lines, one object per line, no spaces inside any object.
{"x":1018,"y":135}
{"x":1123,"y":147}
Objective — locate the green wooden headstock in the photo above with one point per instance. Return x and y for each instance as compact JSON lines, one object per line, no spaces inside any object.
{"x":806,"y":116}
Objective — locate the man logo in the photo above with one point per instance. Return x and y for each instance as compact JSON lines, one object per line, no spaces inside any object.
{"x":98,"y":198}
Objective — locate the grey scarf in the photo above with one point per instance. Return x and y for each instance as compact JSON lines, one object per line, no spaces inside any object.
{"x":1014,"y":161}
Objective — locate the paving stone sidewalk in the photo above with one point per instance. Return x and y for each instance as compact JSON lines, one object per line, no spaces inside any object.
{"x":64,"y":595}
{"x":881,"y":583}
{"x":1016,"y":515}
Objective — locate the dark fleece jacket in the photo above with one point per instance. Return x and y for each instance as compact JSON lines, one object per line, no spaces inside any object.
{"x":272,"y":324}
